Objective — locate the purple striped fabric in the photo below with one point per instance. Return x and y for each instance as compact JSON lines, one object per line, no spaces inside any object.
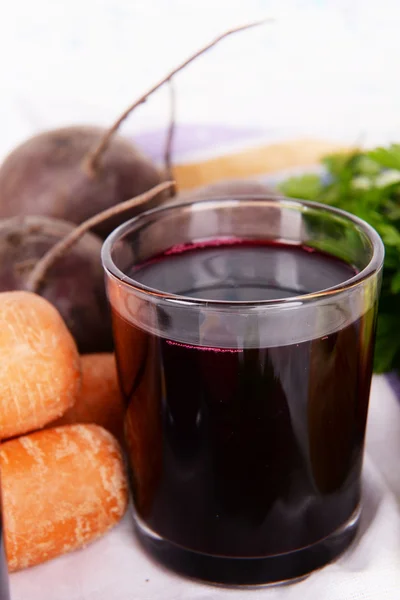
{"x":190,"y":138}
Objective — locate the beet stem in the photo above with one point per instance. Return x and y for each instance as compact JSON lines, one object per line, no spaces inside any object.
{"x":93,"y":157}
{"x":38,"y":273}
{"x":170,"y":137}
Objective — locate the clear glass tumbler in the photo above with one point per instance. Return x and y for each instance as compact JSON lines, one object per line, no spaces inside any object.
{"x":244,"y":334}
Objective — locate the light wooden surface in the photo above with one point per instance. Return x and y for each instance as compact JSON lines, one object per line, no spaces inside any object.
{"x":257,"y":161}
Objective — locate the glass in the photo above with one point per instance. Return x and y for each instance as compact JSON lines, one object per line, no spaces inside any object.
{"x":244,"y":332}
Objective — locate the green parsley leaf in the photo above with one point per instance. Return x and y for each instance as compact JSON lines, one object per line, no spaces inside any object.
{"x":386,"y":157}
{"x":366,"y":184}
{"x":308,"y":186}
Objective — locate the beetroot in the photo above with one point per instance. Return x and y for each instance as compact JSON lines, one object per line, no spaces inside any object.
{"x":74,"y":284}
{"x":76,"y":172}
{"x":87,"y":176}
{"x":47,"y":175}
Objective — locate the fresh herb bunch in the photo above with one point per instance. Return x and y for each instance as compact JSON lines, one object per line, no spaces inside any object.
{"x":367,"y":184}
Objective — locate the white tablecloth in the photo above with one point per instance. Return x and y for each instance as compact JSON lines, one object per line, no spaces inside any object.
{"x":115,"y":568}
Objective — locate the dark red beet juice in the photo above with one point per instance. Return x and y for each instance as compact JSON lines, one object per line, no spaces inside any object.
{"x":251,"y":450}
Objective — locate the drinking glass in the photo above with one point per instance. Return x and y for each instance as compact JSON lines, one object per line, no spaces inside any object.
{"x":245,"y":413}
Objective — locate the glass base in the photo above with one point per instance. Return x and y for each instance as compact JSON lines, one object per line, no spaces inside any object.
{"x":271,"y":570}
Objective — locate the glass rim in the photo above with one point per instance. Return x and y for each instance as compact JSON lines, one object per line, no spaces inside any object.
{"x":373,"y":266}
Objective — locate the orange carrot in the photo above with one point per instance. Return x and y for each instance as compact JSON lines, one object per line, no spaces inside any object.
{"x":62,"y":488}
{"x":39,"y":366}
{"x":100,"y":400}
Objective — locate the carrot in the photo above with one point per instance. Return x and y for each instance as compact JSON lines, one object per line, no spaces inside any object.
{"x":62,"y":488}
{"x":100,"y":400}
{"x":39,"y":366}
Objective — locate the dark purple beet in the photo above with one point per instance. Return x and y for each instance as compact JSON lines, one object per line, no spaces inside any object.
{"x":74,"y":284}
{"x":47,"y":175}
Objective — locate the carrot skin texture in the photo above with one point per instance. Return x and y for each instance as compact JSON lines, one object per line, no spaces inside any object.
{"x":39,"y":364}
{"x":62,"y":489}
